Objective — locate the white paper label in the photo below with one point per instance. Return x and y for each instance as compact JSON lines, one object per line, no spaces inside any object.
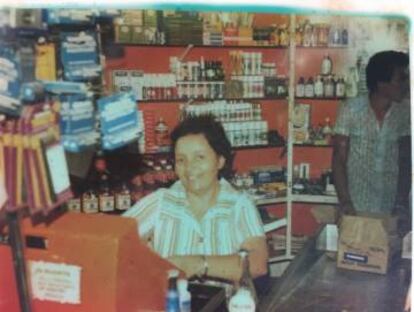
{"x":55,"y":281}
{"x":56,"y":160}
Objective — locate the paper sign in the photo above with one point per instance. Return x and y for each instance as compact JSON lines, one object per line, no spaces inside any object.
{"x":56,"y":160}
{"x":55,"y":281}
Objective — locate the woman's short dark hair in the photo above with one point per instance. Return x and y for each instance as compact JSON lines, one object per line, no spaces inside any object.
{"x":214,"y":133}
{"x":381,"y":67}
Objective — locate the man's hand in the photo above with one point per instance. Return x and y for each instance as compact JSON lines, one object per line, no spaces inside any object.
{"x":348,"y":209}
{"x":403,"y":215}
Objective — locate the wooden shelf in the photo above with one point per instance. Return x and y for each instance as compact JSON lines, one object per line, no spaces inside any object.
{"x":270,"y":201}
{"x":301,"y":47}
{"x":311,"y":145}
{"x":316,"y":199}
{"x":274,"y":225}
{"x":299,"y":198}
{"x":320,"y":98}
{"x":235,"y":148}
{"x":210,"y":99}
{"x":200,"y":46}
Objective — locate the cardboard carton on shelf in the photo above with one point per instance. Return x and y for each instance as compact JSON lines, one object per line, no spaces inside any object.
{"x":367,"y":243}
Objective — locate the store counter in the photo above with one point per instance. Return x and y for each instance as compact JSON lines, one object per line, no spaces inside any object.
{"x":312,"y":282}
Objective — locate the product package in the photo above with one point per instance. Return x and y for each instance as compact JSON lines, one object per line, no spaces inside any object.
{"x":367,"y":243}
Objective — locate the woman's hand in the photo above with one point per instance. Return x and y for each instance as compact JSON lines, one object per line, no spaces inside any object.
{"x":190,"y":265}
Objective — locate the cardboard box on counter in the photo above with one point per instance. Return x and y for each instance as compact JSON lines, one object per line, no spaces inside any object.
{"x":367,"y":243}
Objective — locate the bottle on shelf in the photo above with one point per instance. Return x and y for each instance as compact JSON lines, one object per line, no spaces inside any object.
{"x":351,"y":88}
{"x":340,"y":88}
{"x":327,"y":130}
{"x":300,"y":87}
{"x":326,"y":65}
{"x":161,"y":135}
{"x":309,"y":88}
{"x":123,"y":198}
{"x":245,"y":297}
{"x":90,"y":202}
{"x":318,"y":86}
{"x":106,"y":196}
{"x":329,"y":87}
{"x":172,"y":298}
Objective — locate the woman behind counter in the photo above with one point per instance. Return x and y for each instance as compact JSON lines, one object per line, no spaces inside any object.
{"x":201,"y":222}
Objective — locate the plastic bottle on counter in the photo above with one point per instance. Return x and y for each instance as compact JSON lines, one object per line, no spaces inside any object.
{"x":184,"y":295}
{"x":172,"y":298}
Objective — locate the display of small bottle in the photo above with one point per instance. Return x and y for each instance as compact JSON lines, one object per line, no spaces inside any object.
{"x":245,"y":297}
{"x":172,"y":303}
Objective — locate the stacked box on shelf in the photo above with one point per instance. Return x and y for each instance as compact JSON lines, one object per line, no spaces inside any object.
{"x":183,"y":29}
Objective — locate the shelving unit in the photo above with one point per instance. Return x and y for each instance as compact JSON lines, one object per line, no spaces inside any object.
{"x":287,"y":56}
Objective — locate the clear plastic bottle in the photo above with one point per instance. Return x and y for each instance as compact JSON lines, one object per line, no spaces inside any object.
{"x":184,"y":295}
{"x":172,"y":299}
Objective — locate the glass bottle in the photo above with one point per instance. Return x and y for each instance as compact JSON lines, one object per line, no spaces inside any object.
{"x":340,"y":88}
{"x":90,"y":202}
{"x":101,"y":178}
{"x":245,"y":297}
{"x":318,"y":86}
{"x":161,"y":135}
{"x":326,"y":65}
{"x":123,"y":198}
{"x":300,"y":87}
{"x":351,"y":89}
{"x":327,"y":130}
{"x":329,"y":87}
{"x":307,"y":34}
{"x":309,"y":88}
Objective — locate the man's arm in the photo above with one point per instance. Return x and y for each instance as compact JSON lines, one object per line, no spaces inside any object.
{"x":340,"y":176}
{"x":404,"y":174}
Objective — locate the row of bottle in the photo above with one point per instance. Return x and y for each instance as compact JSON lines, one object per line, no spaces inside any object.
{"x":104,"y":194}
{"x":203,"y":70}
{"x":245,"y":63}
{"x":247,"y":133}
{"x":225,"y":111}
{"x":322,"y":86}
{"x":321,"y":35}
{"x":155,"y":173}
{"x":318,"y":135}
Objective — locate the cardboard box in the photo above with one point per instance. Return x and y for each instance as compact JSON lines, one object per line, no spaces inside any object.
{"x":367,"y":243}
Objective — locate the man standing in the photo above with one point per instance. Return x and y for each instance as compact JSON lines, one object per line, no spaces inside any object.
{"x":371,"y":158}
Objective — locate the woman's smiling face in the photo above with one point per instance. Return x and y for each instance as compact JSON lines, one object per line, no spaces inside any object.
{"x":196,"y":163}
